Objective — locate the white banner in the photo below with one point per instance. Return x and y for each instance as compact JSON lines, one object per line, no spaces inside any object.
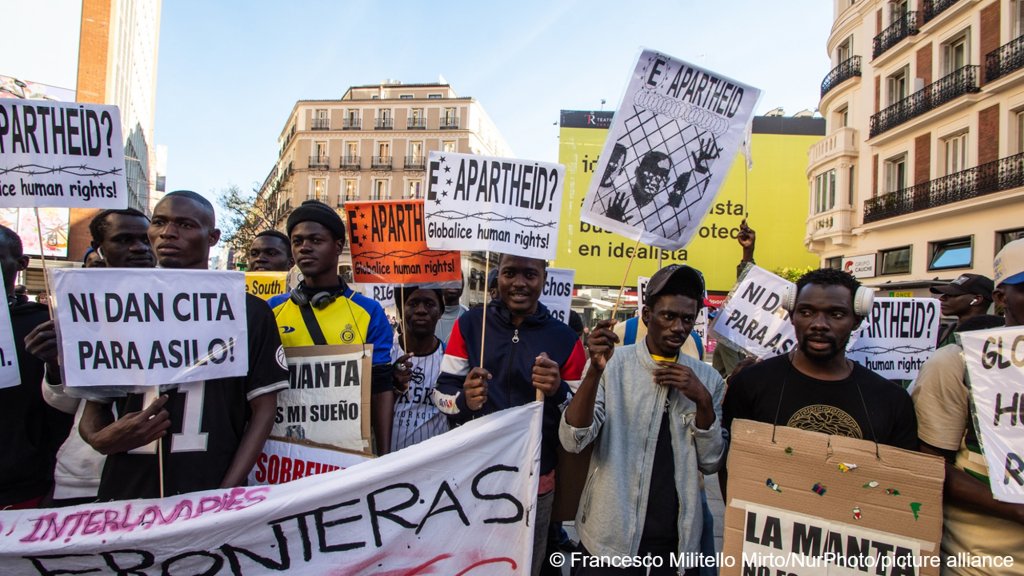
{"x":995,"y":363}
{"x":9,"y":373}
{"x":328,"y":397}
{"x":134,"y":327}
{"x":668,"y":151}
{"x":459,"y":503}
{"x":557,"y":292}
{"x":753,"y":318}
{"x":496,"y":204}
{"x":61,"y":154}
{"x":897,"y":338}
{"x":282,"y":461}
{"x":384,"y":294}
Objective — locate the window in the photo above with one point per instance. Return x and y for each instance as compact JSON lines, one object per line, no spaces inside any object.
{"x":448,"y":146}
{"x":841,"y":117}
{"x":896,"y":261}
{"x":321,"y":149}
{"x":824,"y":191}
{"x":845,"y":50}
{"x":1019,"y":125}
{"x":321,"y":121}
{"x":956,"y":253}
{"x":897,"y":85}
{"x":955,"y":148}
{"x":383,"y":149}
{"x":896,"y":173}
{"x":434,"y":96}
{"x":319,"y":190}
{"x":351,"y":189}
{"x":955,"y":53}
{"x":1017,"y":18}
{"x":352,"y":149}
{"x":416,"y":150}
{"x":414,"y":189}
{"x":899,"y":9}
{"x":448,"y":118}
{"x":380,"y":189}
{"x":851,"y":185}
{"x":416,"y":118}
{"x":835,"y":263}
{"x":1006,"y":236}
{"x":352,"y":121}
{"x":384,"y":120}
{"x":405,"y":96}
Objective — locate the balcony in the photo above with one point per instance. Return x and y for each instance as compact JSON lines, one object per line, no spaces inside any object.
{"x":835,"y":225}
{"x":383,"y":123}
{"x":841,"y":142}
{"x":319,"y":163}
{"x":932,"y":8}
{"x":1003,"y":174}
{"x":416,"y":124}
{"x":891,"y":36}
{"x":1005,"y":59}
{"x":847,"y":69}
{"x":381,"y":162}
{"x":350,"y":163}
{"x":321,"y":124}
{"x":450,"y":123}
{"x":943,"y":90}
{"x":415,"y":163}
{"x":352,"y":124}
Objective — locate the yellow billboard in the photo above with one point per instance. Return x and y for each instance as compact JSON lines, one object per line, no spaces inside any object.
{"x":774,"y":200}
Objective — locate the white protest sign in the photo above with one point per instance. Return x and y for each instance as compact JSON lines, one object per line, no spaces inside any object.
{"x":61,"y":154}
{"x":668,"y":151}
{"x":897,"y":338}
{"x":146,"y":327}
{"x":496,"y":204}
{"x":282,"y":461}
{"x":9,"y":373}
{"x":328,"y":397}
{"x":753,"y":318}
{"x":995,"y":363}
{"x":557,"y":292}
{"x":460,"y":503}
{"x":384,"y":294}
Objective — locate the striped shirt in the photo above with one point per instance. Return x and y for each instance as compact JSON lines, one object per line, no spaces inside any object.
{"x":416,"y":418}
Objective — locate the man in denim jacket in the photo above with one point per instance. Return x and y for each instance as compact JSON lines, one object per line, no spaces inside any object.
{"x":655,"y":417}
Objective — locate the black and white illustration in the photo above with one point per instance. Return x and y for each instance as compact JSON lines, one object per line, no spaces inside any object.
{"x":670,"y":146}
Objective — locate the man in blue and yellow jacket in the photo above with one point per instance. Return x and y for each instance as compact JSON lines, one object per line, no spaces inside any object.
{"x":322,"y":309}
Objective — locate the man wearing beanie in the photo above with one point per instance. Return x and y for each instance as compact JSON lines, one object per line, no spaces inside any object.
{"x":322,"y":309}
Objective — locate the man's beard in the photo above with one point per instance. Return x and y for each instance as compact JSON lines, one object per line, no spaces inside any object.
{"x":819,"y":356}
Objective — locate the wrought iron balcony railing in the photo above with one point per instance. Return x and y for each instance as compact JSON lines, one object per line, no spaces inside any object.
{"x":352,"y":124}
{"x":415,"y":162}
{"x":384,"y":123}
{"x":847,"y":69}
{"x":416,"y":124}
{"x":905,"y":26}
{"x":932,"y":8}
{"x":953,"y":85}
{"x":319,"y":163}
{"x":321,"y":124}
{"x":350,"y":163}
{"x":381,"y":162}
{"x":450,"y":123}
{"x":1005,"y":59}
{"x":1003,"y":174}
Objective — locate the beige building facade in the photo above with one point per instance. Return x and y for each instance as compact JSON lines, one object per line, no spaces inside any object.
{"x":920,"y":176}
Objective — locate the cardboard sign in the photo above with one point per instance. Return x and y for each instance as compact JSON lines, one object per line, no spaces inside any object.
{"x":803,"y":502}
{"x":283,"y":461}
{"x":995,"y":364}
{"x":752,"y":318}
{"x":460,"y":503}
{"x":266,"y":285}
{"x":557,"y":293}
{"x":668,"y":151}
{"x":328,"y":398}
{"x":185,"y":326}
{"x":897,"y":338}
{"x":388,"y":245}
{"x":493,"y":204}
{"x":61,"y":154}
{"x":9,"y":373}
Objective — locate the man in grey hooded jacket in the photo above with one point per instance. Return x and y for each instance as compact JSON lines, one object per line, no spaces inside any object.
{"x":654,"y":415}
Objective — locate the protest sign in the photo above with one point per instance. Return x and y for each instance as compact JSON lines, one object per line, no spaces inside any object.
{"x":802,"y":502}
{"x":328,"y":397}
{"x":9,"y":373}
{"x":668,"y":151}
{"x":403,"y":513}
{"x":753,"y":319}
{"x":266,"y":285}
{"x":384,"y":294}
{"x":283,"y":461}
{"x":493,"y":204}
{"x":52,"y":226}
{"x":557,"y":293}
{"x":897,"y":338}
{"x":186,"y":326}
{"x":995,"y":364}
{"x":61,"y":154}
{"x":389,"y":245}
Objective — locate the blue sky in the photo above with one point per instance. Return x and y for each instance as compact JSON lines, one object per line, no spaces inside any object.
{"x":230,"y":72}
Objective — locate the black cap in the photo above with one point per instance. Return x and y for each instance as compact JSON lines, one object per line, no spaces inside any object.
{"x":682,"y":278}
{"x":967,"y":284}
{"x":316,"y":211}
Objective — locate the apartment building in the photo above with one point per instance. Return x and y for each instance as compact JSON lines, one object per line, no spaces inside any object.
{"x":920,"y":176}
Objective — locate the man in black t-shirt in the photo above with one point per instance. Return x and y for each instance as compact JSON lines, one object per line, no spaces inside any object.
{"x":217,"y":427}
{"x":815,"y":387}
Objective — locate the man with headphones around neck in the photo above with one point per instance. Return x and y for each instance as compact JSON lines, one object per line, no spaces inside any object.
{"x":322,"y":309}
{"x":815,"y":387}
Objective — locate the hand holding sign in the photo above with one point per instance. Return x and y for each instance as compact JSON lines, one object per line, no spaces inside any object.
{"x":546,"y":377}
{"x":601,"y":344}
{"x":475,"y":388}
{"x":402,"y":373}
{"x":128,"y":432}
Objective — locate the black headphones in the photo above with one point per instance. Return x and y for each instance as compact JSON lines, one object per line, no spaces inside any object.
{"x":320,"y":300}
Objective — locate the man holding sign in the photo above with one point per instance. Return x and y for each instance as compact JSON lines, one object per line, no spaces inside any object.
{"x":218,"y":427}
{"x":974,"y":522}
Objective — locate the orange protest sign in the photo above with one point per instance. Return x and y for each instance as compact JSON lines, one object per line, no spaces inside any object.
{"x":389,"y":246}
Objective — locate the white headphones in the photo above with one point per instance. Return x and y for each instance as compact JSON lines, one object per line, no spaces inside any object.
{"x":862,"y":300}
